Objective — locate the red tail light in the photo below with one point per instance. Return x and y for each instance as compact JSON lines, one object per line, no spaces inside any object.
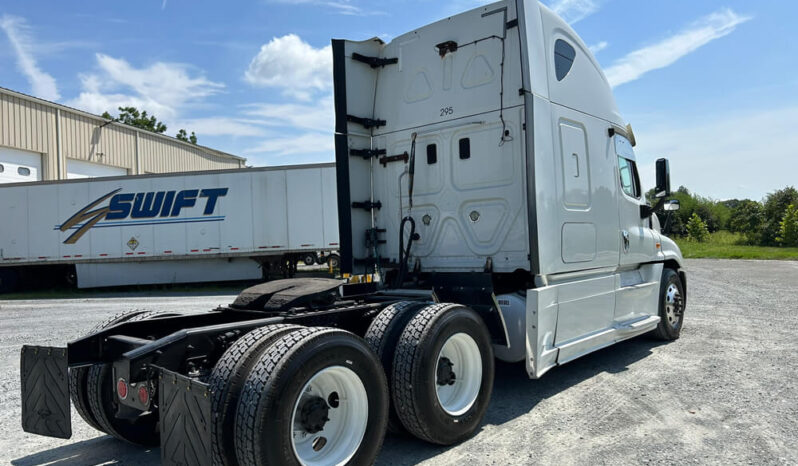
{"x":144,"y":395}
{"x":121,"y":388}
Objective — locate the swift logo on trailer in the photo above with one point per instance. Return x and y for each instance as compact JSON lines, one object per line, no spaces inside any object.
{"x":151,"y":208}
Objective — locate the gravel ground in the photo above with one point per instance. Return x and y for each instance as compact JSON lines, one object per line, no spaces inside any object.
{"x":726,"y":392}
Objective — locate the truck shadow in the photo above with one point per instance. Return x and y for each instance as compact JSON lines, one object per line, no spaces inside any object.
{"x":101,"y":450}
{"x":514,"y":395}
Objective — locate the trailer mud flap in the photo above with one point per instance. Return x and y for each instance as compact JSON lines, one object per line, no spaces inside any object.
{"x":185,"y":420}
{"x":45,"y":391}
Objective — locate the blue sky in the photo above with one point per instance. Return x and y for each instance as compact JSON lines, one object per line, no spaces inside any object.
{"x":711,"y":85}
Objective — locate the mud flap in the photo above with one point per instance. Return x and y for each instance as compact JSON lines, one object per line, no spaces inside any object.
{"x":185,"y":406}
{"x":45,"y":391}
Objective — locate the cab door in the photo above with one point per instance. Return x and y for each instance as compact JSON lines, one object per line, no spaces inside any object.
{"x":637,"y":280}
{"x":635,"y":235}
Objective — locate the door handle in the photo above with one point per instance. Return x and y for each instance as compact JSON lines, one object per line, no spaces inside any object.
{"x":625,"y":235}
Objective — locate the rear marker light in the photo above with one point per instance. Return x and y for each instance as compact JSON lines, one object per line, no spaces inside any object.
{"x":144,"y":395}
{"x":121,"y":388}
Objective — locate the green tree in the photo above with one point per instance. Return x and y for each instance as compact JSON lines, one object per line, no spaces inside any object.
{"x":747,"y":217}
{"x":775,"y":206}
{"x":183,"y":136}
{"x":697,"y":229}
{"x":788,"y":228}
{"x":131,"y":116}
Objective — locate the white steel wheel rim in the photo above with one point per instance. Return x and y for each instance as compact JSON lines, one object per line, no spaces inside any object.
{"x":343,"y":433}
{"x":673,"y":305}
{"x":463,"y":354}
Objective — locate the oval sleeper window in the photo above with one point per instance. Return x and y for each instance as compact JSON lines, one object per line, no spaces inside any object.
{"x":564,"y":56}
{"x":2,"y":168}
{"x":24,"y":171}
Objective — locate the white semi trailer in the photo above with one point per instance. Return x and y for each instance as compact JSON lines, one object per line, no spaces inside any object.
{"x":171,"y":228}
{"x":489,"y":207}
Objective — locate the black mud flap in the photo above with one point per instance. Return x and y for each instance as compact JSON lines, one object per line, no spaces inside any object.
{"x":45,"y":391}
{"x":185,"y":406}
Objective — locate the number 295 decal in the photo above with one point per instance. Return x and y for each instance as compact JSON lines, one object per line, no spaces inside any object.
{"x":446,"y":111}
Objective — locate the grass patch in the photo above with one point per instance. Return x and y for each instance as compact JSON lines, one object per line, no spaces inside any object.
{"x":726,"y":245}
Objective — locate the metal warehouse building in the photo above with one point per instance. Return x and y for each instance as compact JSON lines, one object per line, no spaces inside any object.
{"x":41,"y":140}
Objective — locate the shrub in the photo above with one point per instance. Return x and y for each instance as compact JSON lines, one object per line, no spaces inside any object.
{"x":697,"y":229}
{"x":788,"y":228}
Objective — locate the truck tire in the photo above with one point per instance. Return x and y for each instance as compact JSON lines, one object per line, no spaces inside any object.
{"x":226,"y":381}
{"x":142,"y":430}
{"x":443,"y":373}
{"x":334,"y":260}
{"x":290,"y":410}
{"x":671,"y":306}
{"x":309,"y":259}
{"x":78,"y":389}
{"x":382,"y":337}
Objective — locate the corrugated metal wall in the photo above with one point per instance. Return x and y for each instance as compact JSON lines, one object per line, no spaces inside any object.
{"x":28,"y":123}
{"x":30,"y":126}
{"x":163,"y":156}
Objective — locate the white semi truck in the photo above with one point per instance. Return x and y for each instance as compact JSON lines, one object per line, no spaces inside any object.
{"x":173,"y":228}
{"x":489,"y":207}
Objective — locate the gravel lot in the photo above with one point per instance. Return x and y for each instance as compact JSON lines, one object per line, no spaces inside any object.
{"x":726,"y":392}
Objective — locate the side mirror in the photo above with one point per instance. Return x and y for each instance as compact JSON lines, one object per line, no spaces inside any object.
{"x":672,"y":205}
{"x":663,"y":188}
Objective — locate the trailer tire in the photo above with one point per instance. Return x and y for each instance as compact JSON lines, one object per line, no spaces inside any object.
{"x":309,"y":259}
{"x":78,"y":389}
{"x":382,"y":337}
{"x":227,"y":380}
{"x":334,"y":260}
{"x":102,"y":399}
{"x":437,"y":343}
{"x":299,"y":377}
{"x":671,"y":306}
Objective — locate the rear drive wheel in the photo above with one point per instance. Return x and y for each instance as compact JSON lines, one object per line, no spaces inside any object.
{"x":443,"y":373}
{"x":101,"y":388}
{"x":78,"y":388}
{"x":671,"y":306}
{"x":226,"y":381}
{"x":309,"y":259}
{"x":382,"y":337}
{"x":317,"y":396}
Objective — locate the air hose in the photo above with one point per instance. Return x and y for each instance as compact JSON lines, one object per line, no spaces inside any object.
{"x":404,"y":249}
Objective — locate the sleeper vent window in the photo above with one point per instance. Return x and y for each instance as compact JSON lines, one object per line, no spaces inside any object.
{"x":23,"y":171}
{"x":2,"y":168}
{"x":432,"y":154}
{"x":564,"y":56}
{"x":465,"y":148}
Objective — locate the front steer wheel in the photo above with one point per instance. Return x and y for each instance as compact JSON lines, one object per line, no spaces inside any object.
{"x":443,"y":373}
{"x":317,"y":396}
{"x":671,"y":306}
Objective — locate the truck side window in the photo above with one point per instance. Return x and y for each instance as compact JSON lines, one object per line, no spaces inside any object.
{"x":2,"y":168}
{"x":24,"y":171}
{"x":630,"y":182}
{"x":564,"y":56}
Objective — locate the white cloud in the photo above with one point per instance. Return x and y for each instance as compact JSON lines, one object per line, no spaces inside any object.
{"x":666,"y":52}
{"x":596,"y":48}
{"x":318,"y":116}
{"x":164,"y":89}
{"x":219,"y":126}
{"x":307,"y":143}
{"x":573,"y":11}
{"x":716,"y":158}
{"x":344,"y":7}
{"x":42,"y":84}
{"x":293,"y":65}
